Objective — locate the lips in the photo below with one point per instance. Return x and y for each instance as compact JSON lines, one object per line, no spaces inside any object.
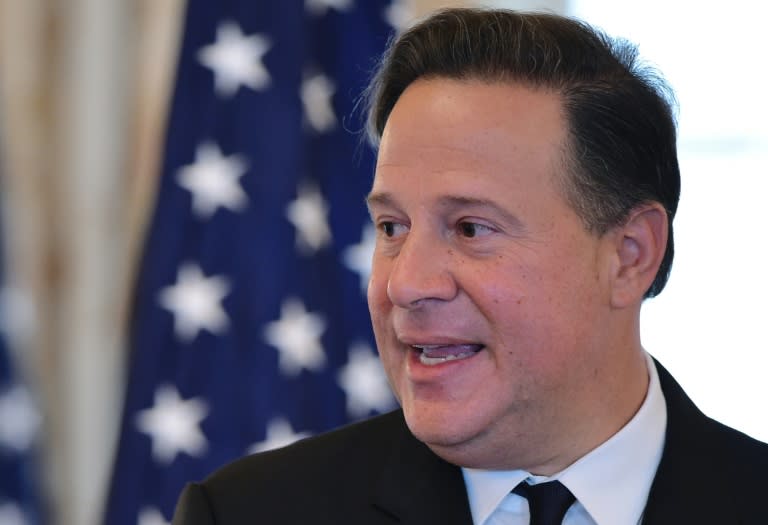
{"x":437,"y":354}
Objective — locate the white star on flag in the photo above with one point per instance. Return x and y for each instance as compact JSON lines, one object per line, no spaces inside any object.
{"x":316,"y":97}
{"x":399,"y":15}
{"x":214,"y":181}
{"x":20,"y":419}
{"x":297,"y":338}
{"x":309,"y":215}
{"x":11,"y":514}
{"x":151,"y":516}
{"x":359,"y":257}
{"x":195,"y":302}
{"x":236,"y":59}
{"x":279,"y":434}
{"x":17,"y":313}
{"x":173,"y":424}
{"x":364,"y":382}
{"x":319,"y":7}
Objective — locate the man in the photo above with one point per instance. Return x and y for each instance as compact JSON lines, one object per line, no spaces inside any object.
{"x":524,"y":193}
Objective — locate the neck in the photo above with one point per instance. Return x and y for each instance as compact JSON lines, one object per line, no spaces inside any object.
{"x":617,"y":402}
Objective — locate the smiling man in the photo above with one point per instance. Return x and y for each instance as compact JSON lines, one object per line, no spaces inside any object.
{"x":501,"y":320}
{"x":524,"y":194}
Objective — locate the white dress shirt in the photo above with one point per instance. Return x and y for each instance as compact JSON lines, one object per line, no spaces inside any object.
{"x":611,"y":483}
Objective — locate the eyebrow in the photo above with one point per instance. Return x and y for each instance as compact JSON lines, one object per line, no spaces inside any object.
{"x":450,"y":202}
{"x":379,"y":198}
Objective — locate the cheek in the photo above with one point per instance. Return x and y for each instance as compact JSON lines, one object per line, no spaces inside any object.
{"x":378,"y":299}
{"x":506,"y":286}
{"x":533,"y":307}
{"x":379,"y":305}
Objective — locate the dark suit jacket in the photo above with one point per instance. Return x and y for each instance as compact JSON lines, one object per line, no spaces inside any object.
{"x":377,"y":473}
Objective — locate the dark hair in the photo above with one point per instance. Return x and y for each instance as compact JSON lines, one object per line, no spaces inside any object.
{"x":622,"y":134}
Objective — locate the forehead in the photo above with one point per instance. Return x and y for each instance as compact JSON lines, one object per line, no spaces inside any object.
{"x":472,"y":134}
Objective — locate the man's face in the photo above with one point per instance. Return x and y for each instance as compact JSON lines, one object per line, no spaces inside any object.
{"x":488,"y":297}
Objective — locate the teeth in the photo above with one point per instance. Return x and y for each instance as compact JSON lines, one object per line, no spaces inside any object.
{"x":437,"y":360}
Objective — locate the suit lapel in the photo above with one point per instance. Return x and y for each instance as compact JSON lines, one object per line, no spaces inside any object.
{"x":685,"y":490}
{"x":418,"y":487}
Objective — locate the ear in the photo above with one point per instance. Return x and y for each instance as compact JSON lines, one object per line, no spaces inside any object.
{"x":640,"y":244}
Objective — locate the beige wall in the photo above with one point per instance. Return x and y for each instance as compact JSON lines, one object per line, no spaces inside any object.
{"x":83,"y":87}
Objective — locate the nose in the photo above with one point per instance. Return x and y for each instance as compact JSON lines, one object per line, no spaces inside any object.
{"x":422,"y":272}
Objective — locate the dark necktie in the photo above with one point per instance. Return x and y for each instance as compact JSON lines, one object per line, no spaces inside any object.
{"x":548,"y":502}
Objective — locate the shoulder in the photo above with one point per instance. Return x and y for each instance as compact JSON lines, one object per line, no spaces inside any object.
{"x":735,"y":454}
{"x":692,"y":432}
{"x":712,"y":463}
{"x":705,"y":461}
{"x":355,"y":441}
{"x":331,"y":473}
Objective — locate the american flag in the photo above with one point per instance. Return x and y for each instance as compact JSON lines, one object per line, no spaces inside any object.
{"x":250,"y":327}
{"x":20,"y":497}
{"x":19,"y":421}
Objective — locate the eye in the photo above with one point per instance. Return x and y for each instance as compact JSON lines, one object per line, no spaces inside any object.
{"x":390,"y":228}
{"x":473,"y":229}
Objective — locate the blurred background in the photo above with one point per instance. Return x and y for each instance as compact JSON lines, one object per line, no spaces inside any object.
{"x":184,"y":242}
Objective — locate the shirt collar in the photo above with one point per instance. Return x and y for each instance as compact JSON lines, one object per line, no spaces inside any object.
{"x":486,"y":489}
{"x":611,"y":482}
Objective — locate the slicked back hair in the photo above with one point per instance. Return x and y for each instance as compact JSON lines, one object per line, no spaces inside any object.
{"x":621,"y":150}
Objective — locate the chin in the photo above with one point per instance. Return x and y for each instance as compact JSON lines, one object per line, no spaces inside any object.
{"x":463,"y":436}
{"x":453,"y":447}
{"x":443,"y":429}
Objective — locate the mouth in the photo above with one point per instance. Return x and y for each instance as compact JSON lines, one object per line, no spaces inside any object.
{"x":432,"y":355}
